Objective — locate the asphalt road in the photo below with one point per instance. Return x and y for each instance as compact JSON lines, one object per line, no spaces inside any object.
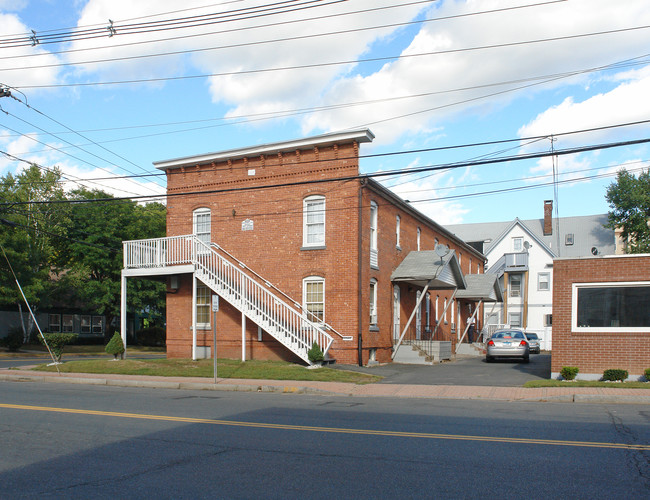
{"x":107,"y":442}
{"x":464,"y":371}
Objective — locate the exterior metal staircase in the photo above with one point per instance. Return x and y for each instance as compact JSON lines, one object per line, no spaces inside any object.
{"x":281,"y":317}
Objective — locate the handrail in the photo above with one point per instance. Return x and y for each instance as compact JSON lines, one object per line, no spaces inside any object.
{"x":231,"y":279}
{"x":309,"y":314}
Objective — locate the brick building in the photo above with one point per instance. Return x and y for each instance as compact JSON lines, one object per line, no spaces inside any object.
{"x":601,"y":315}
{"x":300,"y":248}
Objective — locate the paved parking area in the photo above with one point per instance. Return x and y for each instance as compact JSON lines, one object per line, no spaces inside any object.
{"x":473,"y":371}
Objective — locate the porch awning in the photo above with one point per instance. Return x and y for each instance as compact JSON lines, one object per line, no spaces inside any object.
{"x":483,"y":287}
{"x":420,"y":268}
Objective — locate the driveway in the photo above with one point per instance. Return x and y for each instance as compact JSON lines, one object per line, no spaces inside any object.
{"x":463,"y":371}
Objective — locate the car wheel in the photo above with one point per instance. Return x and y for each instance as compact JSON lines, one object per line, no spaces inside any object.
{"x":488,"y":359}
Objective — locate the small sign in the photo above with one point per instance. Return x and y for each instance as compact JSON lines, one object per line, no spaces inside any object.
{"x":215,"y":303}
{"x":247,"y":225}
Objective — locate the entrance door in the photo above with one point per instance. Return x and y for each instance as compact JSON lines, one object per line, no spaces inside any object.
{"x":396,"y":313}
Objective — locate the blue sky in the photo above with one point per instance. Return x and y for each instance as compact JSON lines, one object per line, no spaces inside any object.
{"x":421,"y":75}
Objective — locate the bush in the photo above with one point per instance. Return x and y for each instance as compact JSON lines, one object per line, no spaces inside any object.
{"x":115,"y":346}
{"x":14,"y":339}
{"x":315,"y":354}
{"x":615,"y":374}
{"x":647,"y":374}
{"x":57,"y":341}
{"x":153,"y":336}
{"x":569,"y":372}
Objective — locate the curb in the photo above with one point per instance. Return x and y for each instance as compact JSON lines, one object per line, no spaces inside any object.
{"x":294,"y":389}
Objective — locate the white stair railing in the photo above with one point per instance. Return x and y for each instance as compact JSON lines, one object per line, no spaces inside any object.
{"x":253,"y":296}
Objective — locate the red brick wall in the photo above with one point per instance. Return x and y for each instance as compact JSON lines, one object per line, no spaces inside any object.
{"x":593,"y":353}
{"x":274,"y":247}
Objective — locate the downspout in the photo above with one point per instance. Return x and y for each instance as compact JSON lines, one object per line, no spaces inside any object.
{"x":360,"y":274}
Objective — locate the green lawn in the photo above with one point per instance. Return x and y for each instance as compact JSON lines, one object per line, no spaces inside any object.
{"x":226,"y":368}
{"x":587,"y":383}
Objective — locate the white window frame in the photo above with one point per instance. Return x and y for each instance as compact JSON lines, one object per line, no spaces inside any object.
{"x":511,"y":288}
{"x":398,"y":228}
{"x":54,"y":320}
{"x":373,"y":302}
{"x":541,"y":281}
{"x":200,"y":218}
{"x":313,"y":221}
{"x":308,"y":303}
{"x":64,"y":326}
{"x":518,"y":244}
{"x":575,"y":287}
{"x":86,"y":324}
{"x":374,"y":252}
{"x":513,"y":315}
{"x":98,"y":324}
{"x":203,"y":301}
{"x":419,"y":238}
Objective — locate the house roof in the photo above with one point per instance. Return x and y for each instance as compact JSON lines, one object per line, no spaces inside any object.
{"x":420,"y":268}
{"x":483,"y":287}
{"x":587,"y":232}
{"x":361,"y":135}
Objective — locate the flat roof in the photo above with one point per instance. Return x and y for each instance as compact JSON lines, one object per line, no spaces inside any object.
{"x":360,"y":135}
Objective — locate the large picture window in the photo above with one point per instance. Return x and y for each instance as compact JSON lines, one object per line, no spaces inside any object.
{"x":609,"y":307}
{"x":313,"y":221}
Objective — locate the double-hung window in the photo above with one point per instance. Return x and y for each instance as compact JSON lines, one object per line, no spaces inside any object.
{"x":54,"y":323}
{"x":201,"y":223}
{"x":515,"y":285}
{"x":374,"y":258}
{"x":544,"y":281}
{"x":202,"y":306}
{"x":373,"y":302}
{"x":398,"y":229}
{"x":313,"y":294}
{"x":313,"y":233}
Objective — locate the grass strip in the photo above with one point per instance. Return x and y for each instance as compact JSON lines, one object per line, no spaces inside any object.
{"x":226,"y":368}
{"x":586,"y":383}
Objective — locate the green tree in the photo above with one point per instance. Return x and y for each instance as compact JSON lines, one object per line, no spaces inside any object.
{"x":629,"y":201}
{"x":30,"y":228}
{"x":94,"y":253}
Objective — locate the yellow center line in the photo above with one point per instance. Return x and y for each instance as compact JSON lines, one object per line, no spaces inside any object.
{"x":338,"y":430}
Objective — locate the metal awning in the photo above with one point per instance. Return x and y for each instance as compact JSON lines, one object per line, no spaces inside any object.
{"x":427,"y":267}
{"x":484,"y":287}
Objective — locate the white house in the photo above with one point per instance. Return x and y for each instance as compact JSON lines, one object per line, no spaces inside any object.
{"x":521,"y":253}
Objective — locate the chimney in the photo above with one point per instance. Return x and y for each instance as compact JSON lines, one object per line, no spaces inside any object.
{"x":548,"y":217}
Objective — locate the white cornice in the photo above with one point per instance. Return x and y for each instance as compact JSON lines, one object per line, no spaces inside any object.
{"x":362,"y":135}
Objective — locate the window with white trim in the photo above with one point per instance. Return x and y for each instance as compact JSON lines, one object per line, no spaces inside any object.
{"x":98,"y":324}
{"x":398,"y":223}
{"x":517,"y":244}
{"x":611,"y":307}
{"x":203,"y":297}
{"x":313,"y":297}
{"x":313,"y":231}
{"x":544,"y":281}
{"x":85,"y":324}
{"x":201,"y":218}
{"x":515,"y":285}
{"x":514,"y":319}
{"x":67,"y":323}
{"x":373,"y":302}
{"x":419,"y":238}
{"x":374,"y":257}
{"x":54,"y":323}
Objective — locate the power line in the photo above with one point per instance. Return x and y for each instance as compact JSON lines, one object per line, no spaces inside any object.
{"x":429,"y":168}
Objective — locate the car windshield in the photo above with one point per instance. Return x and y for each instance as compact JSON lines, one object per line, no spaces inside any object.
{"x":532,"y":336}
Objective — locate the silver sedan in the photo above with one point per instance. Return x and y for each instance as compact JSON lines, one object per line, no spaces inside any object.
{"x":507,"y":344}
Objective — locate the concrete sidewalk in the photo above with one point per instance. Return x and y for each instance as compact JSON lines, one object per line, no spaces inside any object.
{"x":552,"y":394}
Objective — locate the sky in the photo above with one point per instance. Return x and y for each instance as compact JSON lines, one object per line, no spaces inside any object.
{"x":103,"y":88}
